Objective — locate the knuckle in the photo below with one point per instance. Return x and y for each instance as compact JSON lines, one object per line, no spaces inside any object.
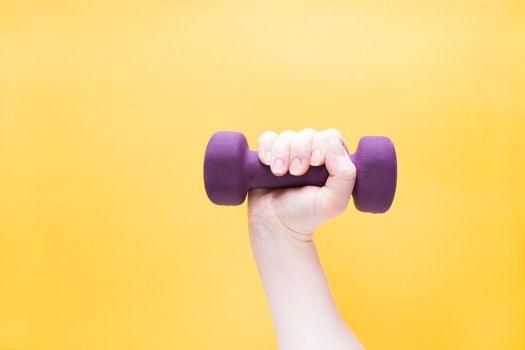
{"x":331,"y":132}
{"x":268,"y":133}
{"x":317,"y":139}
{"x":285,"y":136}
{"x":299,"y":142}
{"x":348,"y":174}
{"x":307,"y":131}
{"x":267,"y":136}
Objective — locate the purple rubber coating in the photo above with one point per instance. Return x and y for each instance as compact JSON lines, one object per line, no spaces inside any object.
{"x":231,"y":170}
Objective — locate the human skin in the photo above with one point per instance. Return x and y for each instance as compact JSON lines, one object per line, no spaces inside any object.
{"x":281,"y":225}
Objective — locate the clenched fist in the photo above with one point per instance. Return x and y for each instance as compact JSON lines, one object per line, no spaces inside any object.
{"x":298,"y":211}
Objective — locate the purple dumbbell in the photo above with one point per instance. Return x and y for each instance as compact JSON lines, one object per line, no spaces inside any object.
{"x":231,"y":170}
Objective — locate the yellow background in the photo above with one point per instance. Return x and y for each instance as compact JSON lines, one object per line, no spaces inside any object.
{"x":107,"y":239}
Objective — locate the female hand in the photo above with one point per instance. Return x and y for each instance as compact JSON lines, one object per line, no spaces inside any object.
{"x":298,"y":211}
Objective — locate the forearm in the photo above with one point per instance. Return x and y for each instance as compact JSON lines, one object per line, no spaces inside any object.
{"x":302,"y":308}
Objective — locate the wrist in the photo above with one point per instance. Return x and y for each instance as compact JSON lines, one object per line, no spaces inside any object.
{"x":268,"y":226}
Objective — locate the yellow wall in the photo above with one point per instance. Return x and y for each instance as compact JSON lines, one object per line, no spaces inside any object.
{"x":107,"y":239}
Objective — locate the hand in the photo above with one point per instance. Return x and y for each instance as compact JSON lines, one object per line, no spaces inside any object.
{"x":298,"y":211}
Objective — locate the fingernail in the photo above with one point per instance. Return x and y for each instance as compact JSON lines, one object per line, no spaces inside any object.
{"x":296,"y":166}
{"x":316,"y":156}
{"x":337,"y":147}
{"x":267,"y":157}
{"x":278,"y":166}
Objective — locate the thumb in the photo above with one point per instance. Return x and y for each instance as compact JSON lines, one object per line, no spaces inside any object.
{"x":340,"y":183}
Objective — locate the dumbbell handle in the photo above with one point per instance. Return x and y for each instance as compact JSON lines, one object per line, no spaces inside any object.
{"x":260,"y":176}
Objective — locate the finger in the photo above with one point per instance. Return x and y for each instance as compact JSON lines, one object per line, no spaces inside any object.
{"x":265,"y":146}
{"x":341,"y":179}
{"x":280,"y":155}
{"x":300,"y":150}
{"x":320,"y":145}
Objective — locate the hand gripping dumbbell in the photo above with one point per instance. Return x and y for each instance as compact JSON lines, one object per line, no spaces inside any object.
{"x":231,"y":170}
